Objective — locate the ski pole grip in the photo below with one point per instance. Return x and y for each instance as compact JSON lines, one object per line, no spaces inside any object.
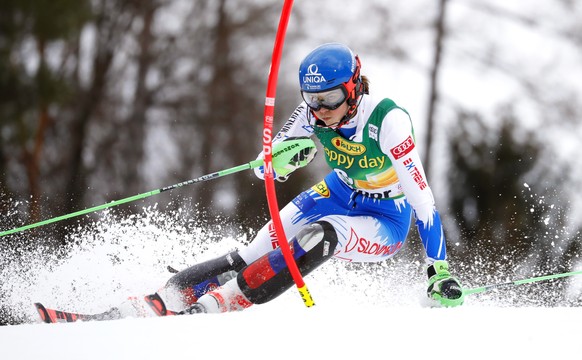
{"x":285,"y":151}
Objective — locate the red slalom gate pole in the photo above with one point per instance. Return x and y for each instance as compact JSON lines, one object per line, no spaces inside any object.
{"x":269,"y":115}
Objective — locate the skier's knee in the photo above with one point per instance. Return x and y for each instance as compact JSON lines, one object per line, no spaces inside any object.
{"x":318,"y":235}
{"x":269,"y":276}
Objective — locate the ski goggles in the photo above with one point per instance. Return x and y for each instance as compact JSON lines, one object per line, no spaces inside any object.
{"x":331,"y":99}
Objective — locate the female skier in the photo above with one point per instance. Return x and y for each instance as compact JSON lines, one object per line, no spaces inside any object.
{"x":361,"y":211}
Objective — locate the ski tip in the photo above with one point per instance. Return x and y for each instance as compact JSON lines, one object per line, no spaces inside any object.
{"x":42,"y":311}
{"x":157,"y":305}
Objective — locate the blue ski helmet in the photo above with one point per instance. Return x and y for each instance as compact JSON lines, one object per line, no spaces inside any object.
{"x":327,"y":67}
{"x":331,"y":66}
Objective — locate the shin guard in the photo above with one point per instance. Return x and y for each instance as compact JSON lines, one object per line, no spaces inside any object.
{"x":269,"y":276}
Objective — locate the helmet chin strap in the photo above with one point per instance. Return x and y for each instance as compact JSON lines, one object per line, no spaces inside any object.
{"x":344,"y":121}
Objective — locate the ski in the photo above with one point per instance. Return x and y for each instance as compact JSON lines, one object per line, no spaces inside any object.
{"x":157,"y":305}
{"x":50,"y":316}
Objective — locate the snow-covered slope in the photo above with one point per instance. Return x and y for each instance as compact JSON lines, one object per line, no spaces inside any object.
{"x":285,"y":329}
{"x":361,"y":312}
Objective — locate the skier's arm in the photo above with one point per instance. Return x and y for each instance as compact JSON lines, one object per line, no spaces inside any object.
{"x":397,"y":141}
{"x":296,"y":126}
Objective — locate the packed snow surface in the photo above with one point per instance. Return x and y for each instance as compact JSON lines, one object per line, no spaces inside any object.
{"x":371,"y":311}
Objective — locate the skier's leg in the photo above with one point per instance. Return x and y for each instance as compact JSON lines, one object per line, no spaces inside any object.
{"x":188,"y":285}
{"x":269,"y":276}
{"x":306,"y":208}
{"x":195,"y":281}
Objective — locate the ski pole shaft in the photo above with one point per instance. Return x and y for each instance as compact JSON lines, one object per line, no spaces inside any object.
{"x":283,"y":153}
{"x":130,"y":199}
{"x":519,"y":282}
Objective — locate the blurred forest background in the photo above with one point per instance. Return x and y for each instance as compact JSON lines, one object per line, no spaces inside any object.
{"x":101,"y":100}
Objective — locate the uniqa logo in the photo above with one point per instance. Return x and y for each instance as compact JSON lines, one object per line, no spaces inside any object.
{"x":349,"y":148}
{"x":313,"y":75}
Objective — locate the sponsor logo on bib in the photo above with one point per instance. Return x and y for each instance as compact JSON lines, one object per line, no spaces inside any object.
{"x":348,"y":147}
{"x":321,"y":189}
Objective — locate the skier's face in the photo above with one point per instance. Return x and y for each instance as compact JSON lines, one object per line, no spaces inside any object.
{"x":331,"y":118}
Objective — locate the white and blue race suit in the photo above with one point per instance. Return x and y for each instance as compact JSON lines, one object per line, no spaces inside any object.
{"x":377,"y":183}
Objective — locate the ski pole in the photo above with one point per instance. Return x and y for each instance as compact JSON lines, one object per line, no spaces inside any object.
{"x":519,"y":282}
{"x":283,"y":153}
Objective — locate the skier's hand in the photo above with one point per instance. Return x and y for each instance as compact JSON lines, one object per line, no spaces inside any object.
{"x":283,"y":171}
{"x":442,"y":287}
{"x":260,"y":172}
{"x":299,"y":160}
